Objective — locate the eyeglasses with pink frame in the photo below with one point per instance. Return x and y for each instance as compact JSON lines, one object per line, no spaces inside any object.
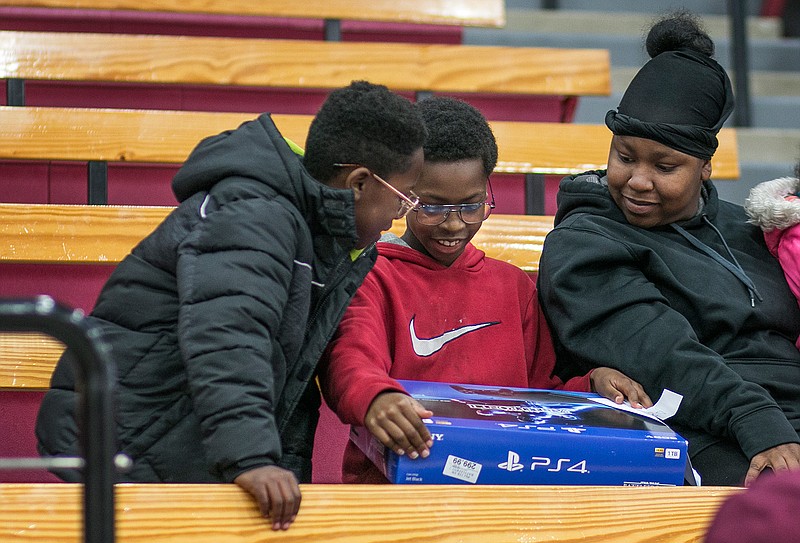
{"x":407,"y":203}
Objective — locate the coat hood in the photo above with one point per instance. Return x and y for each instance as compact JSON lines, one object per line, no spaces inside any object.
{"x":394,"y":248}
{"x":588,"y":193}
{"x":255,"y":150}
{"x":767,"y":207}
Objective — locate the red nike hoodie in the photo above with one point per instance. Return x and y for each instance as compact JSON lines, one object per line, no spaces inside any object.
{"x":477,"y":321}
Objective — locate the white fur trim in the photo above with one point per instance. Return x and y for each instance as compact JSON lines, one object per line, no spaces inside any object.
{"x":767,"y":207}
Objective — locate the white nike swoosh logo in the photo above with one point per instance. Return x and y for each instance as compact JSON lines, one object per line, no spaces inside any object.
{"x":426,"y":347}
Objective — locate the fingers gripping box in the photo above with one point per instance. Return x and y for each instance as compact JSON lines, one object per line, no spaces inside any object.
{"x":503,"y":435}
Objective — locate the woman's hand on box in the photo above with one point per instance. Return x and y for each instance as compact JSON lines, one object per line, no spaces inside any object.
{"x":618,"y":387}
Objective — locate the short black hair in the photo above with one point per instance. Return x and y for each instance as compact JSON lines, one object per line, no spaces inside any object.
{"x":457,"y":131}
{"x":365,"y":124}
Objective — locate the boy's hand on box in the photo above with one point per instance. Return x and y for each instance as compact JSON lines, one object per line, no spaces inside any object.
{"x":618,"y":387}
{"x":395,"y":419}
{"x":276,"y":491}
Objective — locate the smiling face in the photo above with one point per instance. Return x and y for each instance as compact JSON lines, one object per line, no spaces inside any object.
{"x":654,"y":184}
{"x":459,"y":182}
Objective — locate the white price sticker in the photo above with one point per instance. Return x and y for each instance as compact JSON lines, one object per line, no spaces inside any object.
{"x":461,"y":469}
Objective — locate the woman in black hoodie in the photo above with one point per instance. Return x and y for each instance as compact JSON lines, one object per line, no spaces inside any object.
{"x":647,"y":271}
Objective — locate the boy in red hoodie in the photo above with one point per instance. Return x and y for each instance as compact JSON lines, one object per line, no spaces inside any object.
{"x":435,"y":308}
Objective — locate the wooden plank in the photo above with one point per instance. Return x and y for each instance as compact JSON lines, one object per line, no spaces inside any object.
{"x":303,"y":63}
{"x":27,"y":360}
{"x":484,"y":13}
{"x":74,"y":233}
{"x":175,"y":513}
{"x":169,"y":136}
{"x":725,"y":163}
{"x":565,"y":148}
{"x":88,"y":234}
{"x":119,"y":135}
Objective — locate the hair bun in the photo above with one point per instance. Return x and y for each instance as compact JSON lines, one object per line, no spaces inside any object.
{"x":680,"y":30}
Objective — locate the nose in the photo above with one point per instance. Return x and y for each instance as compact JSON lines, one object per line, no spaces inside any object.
{"x":640,"y":180}
{"x":453,"y":222}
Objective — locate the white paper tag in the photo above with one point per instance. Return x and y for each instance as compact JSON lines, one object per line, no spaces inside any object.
{"x":664,"y":408}
{"x":461,"y":469}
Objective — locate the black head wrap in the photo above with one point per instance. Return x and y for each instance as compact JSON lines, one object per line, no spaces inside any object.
{"x":679,"y":98}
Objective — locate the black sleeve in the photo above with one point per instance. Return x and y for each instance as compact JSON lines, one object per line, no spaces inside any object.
{"x":604,"y":311}
{"x":234,"y":272}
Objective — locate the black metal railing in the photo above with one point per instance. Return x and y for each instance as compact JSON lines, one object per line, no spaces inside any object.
{"x":95,"y":383}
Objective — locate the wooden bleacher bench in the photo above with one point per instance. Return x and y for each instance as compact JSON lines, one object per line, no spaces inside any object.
{"x":411,"y":21}
{"x":151,"y":59}
{"x":484,"y":13}
{"x":87,"y":234}
{"x":173,"y":513}
{"x":168,"y":136}
{"x":294,"y":76}
{"x":151,"y":136}
{"x":27,"y":360}
{"x":46,"y":234}
{"x":184,"y":72}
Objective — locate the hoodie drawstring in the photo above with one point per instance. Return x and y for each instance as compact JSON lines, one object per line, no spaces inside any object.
{"x":735,"y":268}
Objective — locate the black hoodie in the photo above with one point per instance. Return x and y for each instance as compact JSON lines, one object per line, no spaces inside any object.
{"x":660,"y":306}
{"x":218,"y":318}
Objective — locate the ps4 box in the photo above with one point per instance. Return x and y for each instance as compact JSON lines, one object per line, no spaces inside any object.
{"x":516,"y":436}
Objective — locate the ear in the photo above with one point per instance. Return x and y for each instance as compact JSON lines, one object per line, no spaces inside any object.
{"x":357,"y":181}
{"x":705,"y":172}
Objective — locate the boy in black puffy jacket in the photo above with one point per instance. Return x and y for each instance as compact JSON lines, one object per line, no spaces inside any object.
{"x":217,"y":319}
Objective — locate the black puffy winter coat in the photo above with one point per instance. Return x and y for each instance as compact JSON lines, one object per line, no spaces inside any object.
{"x":218,"y":318}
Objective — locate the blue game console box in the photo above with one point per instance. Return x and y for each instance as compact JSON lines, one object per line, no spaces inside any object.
{"x":516,"y":436}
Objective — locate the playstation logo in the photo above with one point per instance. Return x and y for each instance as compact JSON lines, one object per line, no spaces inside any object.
{"x":512,"y":463}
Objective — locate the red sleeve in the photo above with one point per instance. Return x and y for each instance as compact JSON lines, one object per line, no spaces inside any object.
{"x":356,"y":365}
{"x":541,"y":369}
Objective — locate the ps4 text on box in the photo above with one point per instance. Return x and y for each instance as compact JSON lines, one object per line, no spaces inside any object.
{"x":506,"y":435}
